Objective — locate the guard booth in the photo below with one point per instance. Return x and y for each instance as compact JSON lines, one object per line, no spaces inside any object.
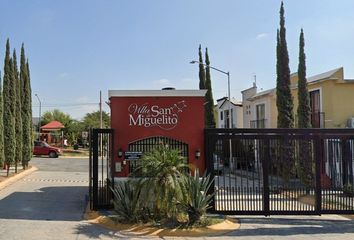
{"x":141,"y":119}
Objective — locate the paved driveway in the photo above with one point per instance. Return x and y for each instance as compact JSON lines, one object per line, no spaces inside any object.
{"x":49,"y":204}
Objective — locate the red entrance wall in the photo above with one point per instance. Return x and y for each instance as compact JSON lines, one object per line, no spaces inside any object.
{"x":188,"y":110}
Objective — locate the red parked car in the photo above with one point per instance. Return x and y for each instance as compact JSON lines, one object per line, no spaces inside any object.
{"x":42,"y":148}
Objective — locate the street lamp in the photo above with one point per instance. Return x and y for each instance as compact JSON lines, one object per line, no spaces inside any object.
{"x":228,"y":93}
{"x":228,"y":87}
{"x":39,"y":121}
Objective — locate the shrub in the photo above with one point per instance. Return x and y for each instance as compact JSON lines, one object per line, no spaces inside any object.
{"x":127,"y":201}
{"x":195,"y":199}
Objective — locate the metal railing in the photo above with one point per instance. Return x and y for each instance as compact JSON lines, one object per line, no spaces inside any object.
{"x":261,"y":123}
{"x":281,"y":171}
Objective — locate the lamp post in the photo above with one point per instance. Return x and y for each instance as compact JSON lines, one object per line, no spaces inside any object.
{"x":228,"y":87}
{"x":228,"y":93}
{"x":40,"y":114}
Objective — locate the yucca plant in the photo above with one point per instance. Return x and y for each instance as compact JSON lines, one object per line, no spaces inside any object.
{"x":127,"y":202}
{"x":195,"y":199}
{"x":161,"y":170}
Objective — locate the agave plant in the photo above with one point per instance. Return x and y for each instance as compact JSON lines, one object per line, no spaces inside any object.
{"x":195,"y":199}
{"x":127,"y":202}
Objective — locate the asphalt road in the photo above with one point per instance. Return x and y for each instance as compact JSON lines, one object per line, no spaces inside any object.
{"x":49,"y":204}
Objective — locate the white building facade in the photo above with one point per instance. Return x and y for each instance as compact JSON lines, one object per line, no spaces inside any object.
{"x":223,"y":108}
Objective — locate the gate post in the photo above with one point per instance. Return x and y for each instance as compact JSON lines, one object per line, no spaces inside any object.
{"x":265,"y":167}
{"x":318,"y":164}
{"x":209,"y":163}
{"x":94,"y":168}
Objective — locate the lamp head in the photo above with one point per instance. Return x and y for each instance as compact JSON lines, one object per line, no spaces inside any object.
{"x":192,"y":62}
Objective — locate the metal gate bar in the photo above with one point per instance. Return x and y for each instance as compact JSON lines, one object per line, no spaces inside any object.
{"x":281,"y":171}
{"x":101,"y":178}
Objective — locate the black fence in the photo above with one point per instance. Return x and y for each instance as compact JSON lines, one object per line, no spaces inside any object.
{"x":101,"y":143}
{"x":281,"y":171}
{"x":148,"y":144}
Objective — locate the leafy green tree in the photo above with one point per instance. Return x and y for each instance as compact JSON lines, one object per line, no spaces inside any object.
{"x":201,"y":70}
{"x":92,"y":120}
{"x":2,"y":157}
{"x":9,"y":109}
{"x":18,"y":115}
{"x":305,"y":165}
{"x":209,"y":105}
{"x":56,"y":115}
{"x":284,"y":98}
{"x":26,"y":112}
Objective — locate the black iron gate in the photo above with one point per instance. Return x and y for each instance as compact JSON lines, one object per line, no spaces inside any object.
{"x":148,"y":144}
{"x":101,"y":145}
{"x":281,"y":171}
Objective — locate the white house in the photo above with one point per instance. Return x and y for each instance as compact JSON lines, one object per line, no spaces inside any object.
{"x":223,"y":107}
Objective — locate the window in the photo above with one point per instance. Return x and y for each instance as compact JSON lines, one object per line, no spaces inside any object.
{"x":221,"y":115}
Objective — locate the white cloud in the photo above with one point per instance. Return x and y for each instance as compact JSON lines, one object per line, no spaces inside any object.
{"x":261,"y":36}
{"x":163,"y":82}
{"x":63,"y":74}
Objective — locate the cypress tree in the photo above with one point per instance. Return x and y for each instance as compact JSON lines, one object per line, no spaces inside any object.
{"x":201,"y":70}
{"x":2,"y":157}
{"x":209,"y":105}
{"x":284,"y":98}
{"x":26,"y":110}
{"x":285,"y":157}
{"x":303,"y":112}
{"x":18,"y":115}
{"x":9,"y":110}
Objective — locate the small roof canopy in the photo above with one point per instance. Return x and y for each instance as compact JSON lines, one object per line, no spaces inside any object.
{"x":53,"y":126}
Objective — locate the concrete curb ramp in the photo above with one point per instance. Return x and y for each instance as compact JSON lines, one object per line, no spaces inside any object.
{"x":17,"y":177}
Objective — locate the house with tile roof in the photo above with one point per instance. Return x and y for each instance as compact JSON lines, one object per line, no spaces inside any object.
{"x":331,"y":99}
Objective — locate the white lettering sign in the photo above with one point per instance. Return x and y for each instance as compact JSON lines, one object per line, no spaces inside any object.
{"x":146,"y":115}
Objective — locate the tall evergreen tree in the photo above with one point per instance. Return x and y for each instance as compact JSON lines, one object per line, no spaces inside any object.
{"x":285,"y":157}
{"x":2,"y":157}
{"x":18,"y":115}
{"x":201,"y":70}
{"x":284,"y":98}
{"x":305,"y":165}
{"x":26,"y":110}
{"x":209,"y":105}
{"x":303,"y":110}
{"x":9,"y":110}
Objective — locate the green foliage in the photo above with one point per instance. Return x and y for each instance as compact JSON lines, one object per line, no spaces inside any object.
{"x":2,"y":157}
{"x":284,"y":98}
{"x":9,"y":109}
{"x":127,"y":201}
{"x":26,"y":109}
{"x":304,"y":109}
{"x":18,"y":115}
{"x":160,"y":170}
{"x":209,"y":105}
{"x":195,"y":200}
{"x":164,"y":191}
{"x":201,"y":70}
{"x":348,"y":190}
{"x":92,"y":120}
{"x":56,"y":115}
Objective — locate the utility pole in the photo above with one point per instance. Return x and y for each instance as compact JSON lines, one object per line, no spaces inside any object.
{"x":101,"y":124}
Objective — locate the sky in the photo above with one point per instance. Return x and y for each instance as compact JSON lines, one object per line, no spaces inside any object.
{"x":78,"y":47}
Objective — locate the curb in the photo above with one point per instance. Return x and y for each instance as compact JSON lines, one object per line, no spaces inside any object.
{"x":18,"y":176}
